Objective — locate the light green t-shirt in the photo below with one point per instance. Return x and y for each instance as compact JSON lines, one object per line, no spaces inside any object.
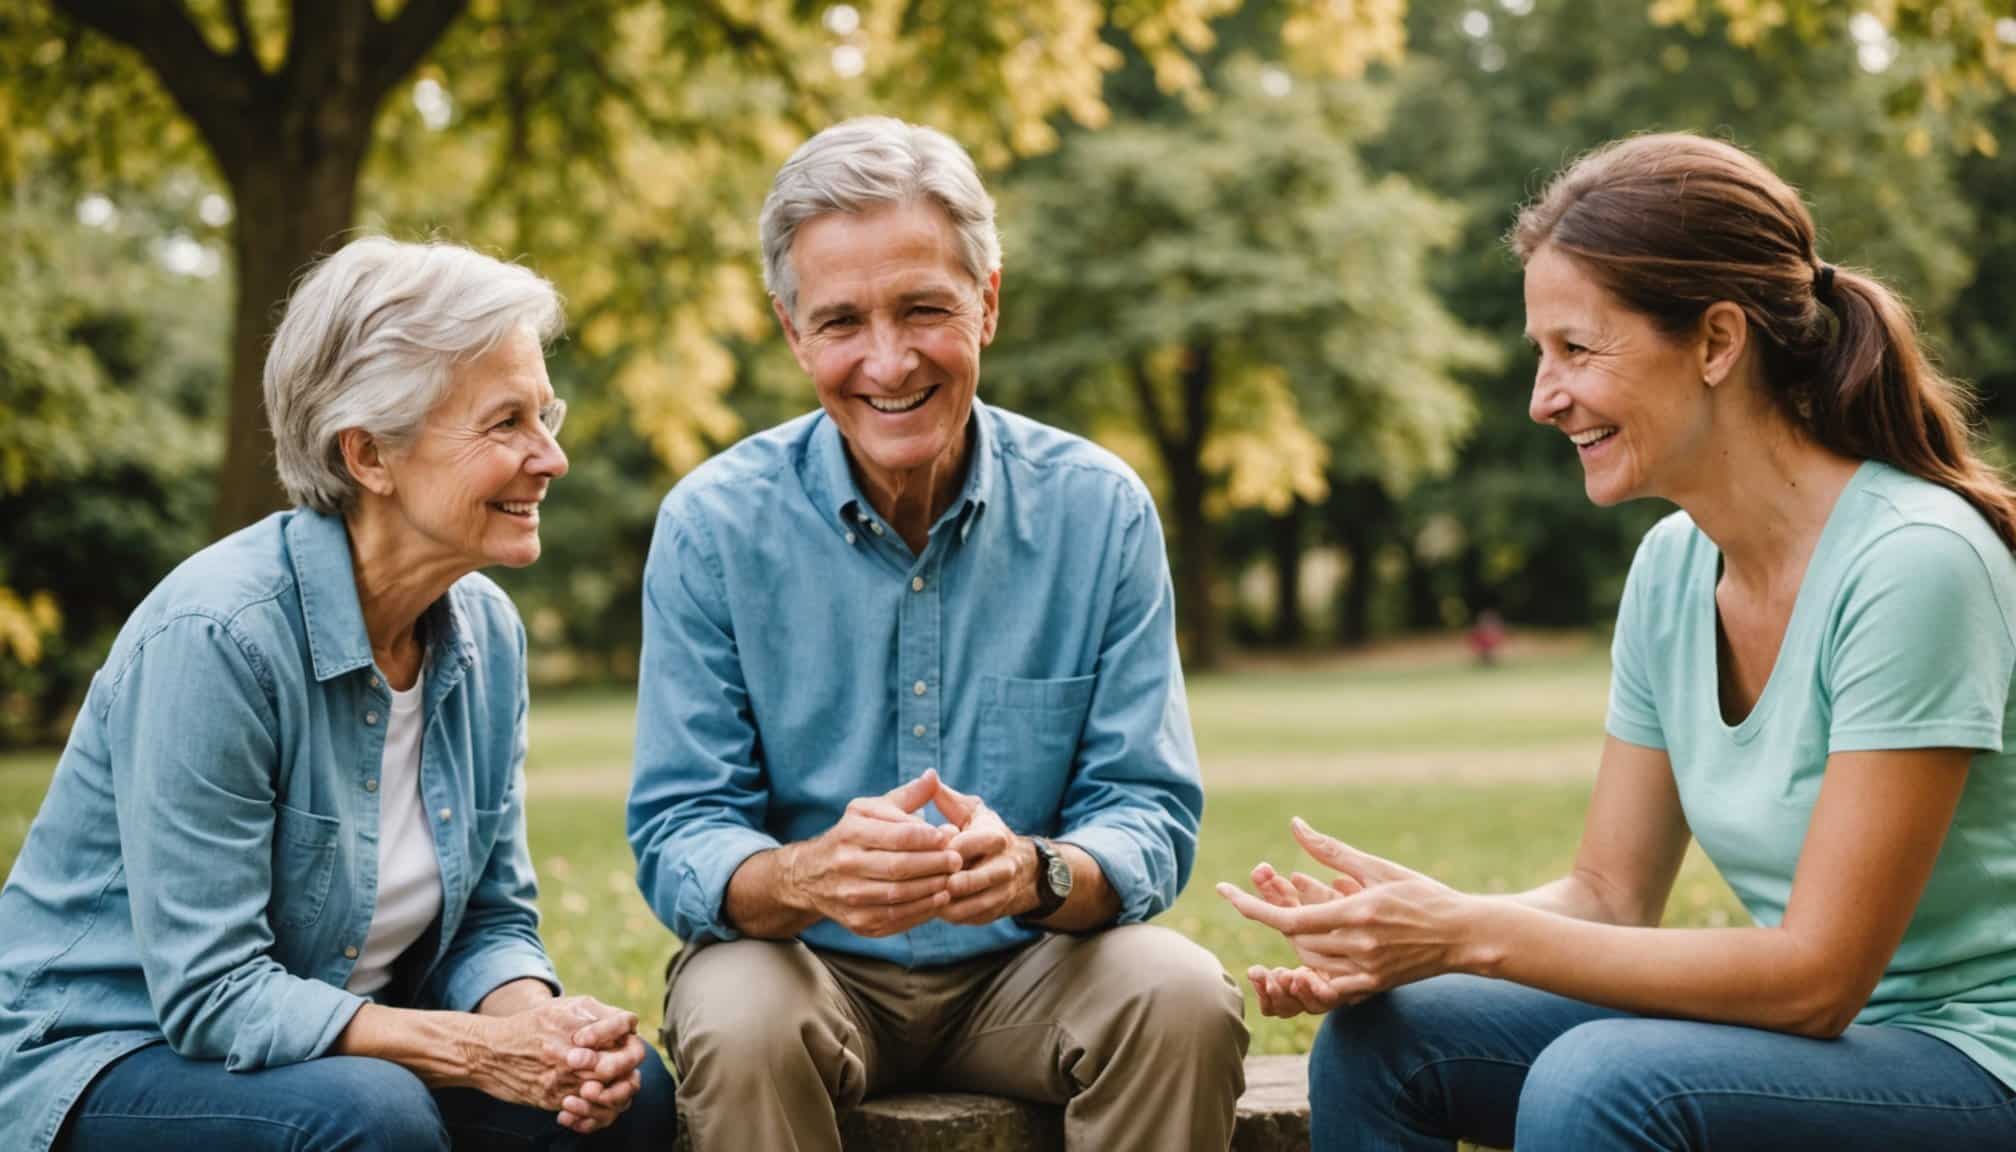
{"x":1903,"y":636}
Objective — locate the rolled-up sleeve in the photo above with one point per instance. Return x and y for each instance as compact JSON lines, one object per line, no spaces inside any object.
{"x":192,"y":733}
{"x":1135,"y":801}
{"x":497,"y":940}
{"x":698,"y":795}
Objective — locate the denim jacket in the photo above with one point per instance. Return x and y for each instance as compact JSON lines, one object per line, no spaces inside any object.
{"x":204,"y":867}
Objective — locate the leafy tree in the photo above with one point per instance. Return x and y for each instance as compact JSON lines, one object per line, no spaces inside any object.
{"x":1494,"y":101}
{"x":1253,"y":302}
{"x":614,"y":142}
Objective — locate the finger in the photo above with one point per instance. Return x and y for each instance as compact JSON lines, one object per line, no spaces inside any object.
{"x":607,"y":1032}
{"x":1310,"y":890}
{"x":915,"y":794}
{"x":957,"y":806}
{"x":1257,"y":977}
{"x":878,"y":864}
{"x":980,"y":878}
{"x":872,"y":894}
{"x":985,"y":908}
{"x":1273,"y":887}
{"x":614,"y":1066}
{"x":1363,"y":867}
{"x":895,"y":918}
{"x":869,"y":833}
{"x":1256,"y":909}
{"x":1311,"y":991}
{"x":985,"y":838}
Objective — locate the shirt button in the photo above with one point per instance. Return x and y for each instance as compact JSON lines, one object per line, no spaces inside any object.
{"x":350,"y":953}
{"x":446,"y":813}
{"x":371,"y":785}
{"x":850,"y":537}
{"x":916,"y":584}
{"x":875,"y":527}
{"x":918,"y":731}
{"x":918,"y":688}
{"x":376,"y":683}
{"x":371,"y":718}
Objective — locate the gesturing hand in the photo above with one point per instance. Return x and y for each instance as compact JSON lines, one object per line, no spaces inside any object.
{"x":882,"y":869}
{"x":1289,"y":992}
{"x":998,"y":873}
{"x":1397,"y":927}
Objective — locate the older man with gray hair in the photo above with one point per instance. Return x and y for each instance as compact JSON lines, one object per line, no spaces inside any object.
{"x":913,"y":759}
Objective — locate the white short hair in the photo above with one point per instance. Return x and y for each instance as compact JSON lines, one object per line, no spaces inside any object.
{"x":370,"y":339}
{"x":864,"y":163}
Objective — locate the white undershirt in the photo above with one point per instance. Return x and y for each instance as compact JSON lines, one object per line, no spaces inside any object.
{"x":409,"y":877}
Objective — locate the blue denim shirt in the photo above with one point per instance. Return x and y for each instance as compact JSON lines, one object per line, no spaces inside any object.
{"x":204,"y":867}
{"x":797,"y":655}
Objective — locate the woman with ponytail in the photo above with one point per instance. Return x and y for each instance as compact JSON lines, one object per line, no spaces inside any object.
{"x":1811,"y":678}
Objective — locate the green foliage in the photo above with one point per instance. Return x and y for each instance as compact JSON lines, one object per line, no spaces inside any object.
{"x":108,"y":365}
{"x":1486,"y":119}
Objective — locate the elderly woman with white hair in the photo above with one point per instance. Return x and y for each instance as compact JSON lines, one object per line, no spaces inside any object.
{"x":279,"y":894}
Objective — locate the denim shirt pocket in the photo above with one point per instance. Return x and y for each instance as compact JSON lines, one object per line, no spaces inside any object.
{"x":484,"y":827}
{"x":1029,"y":732}
{"x":304,"y":857}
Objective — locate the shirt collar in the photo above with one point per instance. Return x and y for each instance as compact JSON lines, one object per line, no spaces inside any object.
{"x":831,"y":480}
{"x":319,"y":546}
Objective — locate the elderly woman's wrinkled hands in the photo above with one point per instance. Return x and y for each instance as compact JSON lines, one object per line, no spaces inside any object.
{"x":1377,"y":926}
{"x":575,"y":1057}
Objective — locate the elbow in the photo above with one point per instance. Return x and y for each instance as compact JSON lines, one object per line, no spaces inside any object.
{"x":1825,"y":1012}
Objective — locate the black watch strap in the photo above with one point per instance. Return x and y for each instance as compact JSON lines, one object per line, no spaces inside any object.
{"x":1050,"y":896}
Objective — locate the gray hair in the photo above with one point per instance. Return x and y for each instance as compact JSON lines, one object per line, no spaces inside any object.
{"x":371,"y":337}
{"x":865,"y":163}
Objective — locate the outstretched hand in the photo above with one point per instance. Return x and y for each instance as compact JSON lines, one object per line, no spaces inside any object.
{"x":1377,"y":926}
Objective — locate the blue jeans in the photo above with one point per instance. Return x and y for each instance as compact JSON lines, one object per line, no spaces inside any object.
{"x":157,"y":1101}
{"x":1498,"y":1064}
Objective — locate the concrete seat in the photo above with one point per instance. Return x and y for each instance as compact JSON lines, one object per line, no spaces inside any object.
{"x":1273,"y":1117}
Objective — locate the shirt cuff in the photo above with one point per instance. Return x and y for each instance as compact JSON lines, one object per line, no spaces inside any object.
{"x":491,"y":969}
{"x":704,"y":874}
{"x":1120,"y":858}
{"x":321,"y":1010}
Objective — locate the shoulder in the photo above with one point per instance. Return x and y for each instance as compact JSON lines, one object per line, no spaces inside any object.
{"x":1037,"y":456}
{"x":754,"y":471}
{"x":235,"y":600}
{"x":1669,"y":550}
{"x":1903,"y":520}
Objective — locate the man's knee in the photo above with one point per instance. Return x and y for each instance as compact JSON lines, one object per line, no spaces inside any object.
{"x":1177,"y":993}
{"x":749,"y":1011}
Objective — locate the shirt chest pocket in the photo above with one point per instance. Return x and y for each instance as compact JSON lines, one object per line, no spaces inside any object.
{"x":304,"y":856}
{"x":1029,"y":734}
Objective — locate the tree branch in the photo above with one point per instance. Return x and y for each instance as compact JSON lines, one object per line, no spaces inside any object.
{"x":213,"y":90}
{"x":397,"y":46}
{"x":241,"y":27}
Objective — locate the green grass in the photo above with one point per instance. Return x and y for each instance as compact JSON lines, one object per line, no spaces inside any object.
{"x":1353,"y":730}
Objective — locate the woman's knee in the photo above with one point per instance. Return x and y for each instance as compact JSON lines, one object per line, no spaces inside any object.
{"x":366,"y":1105}
{"x":1598,"y":1084}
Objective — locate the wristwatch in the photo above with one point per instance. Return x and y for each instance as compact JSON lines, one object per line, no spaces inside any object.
{"x":1053,"y":882}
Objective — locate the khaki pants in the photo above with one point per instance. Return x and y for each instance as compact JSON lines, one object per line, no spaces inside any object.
{"x":1137,"y":1031}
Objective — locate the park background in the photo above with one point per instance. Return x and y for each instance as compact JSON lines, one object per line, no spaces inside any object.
{"x":1254,"y":247}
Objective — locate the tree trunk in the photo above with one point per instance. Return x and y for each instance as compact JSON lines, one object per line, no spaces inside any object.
{"x":1359,"y":511}
{"x":291,"y":209}
{"x":1179,"y":441}
{"x":1287,"y":547}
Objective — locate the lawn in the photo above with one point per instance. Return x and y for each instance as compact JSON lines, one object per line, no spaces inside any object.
{"x":1475,"y":775}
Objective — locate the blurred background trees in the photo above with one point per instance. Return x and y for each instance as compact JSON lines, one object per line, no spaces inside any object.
{"x":1254,"y":247}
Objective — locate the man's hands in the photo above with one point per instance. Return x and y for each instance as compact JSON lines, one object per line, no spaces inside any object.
{"x":997,"y":875}
{"x":882,"y":869}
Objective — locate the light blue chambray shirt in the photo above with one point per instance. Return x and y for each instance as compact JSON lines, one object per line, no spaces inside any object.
{"x":797,"y":655}
{"x":204,"y":867}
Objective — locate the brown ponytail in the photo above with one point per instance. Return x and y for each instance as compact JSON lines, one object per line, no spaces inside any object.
{"x":1673,"y":223}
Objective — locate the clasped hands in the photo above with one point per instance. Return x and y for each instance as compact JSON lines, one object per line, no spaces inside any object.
{"x":884,"y":869}
{"x":574,"y":1056}
{"x":1375,"y":926}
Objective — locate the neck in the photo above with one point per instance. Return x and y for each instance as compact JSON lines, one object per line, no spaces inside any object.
{"x":398,"y":577}
{"x":1763,"y":495}
{"x":910,"y":501}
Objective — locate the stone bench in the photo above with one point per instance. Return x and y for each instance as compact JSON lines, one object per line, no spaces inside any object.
{"x":1273,"y":1117}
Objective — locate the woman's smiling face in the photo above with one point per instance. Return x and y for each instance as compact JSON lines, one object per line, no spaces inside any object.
{"x":1630,"y":397}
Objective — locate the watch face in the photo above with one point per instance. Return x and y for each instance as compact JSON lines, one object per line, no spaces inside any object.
{"x":1059,"y":875}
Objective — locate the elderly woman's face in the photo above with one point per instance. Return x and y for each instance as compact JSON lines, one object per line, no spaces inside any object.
{"x":889,"y":325}
{"x":1629,"y":397}
{"x":472,"y":483}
